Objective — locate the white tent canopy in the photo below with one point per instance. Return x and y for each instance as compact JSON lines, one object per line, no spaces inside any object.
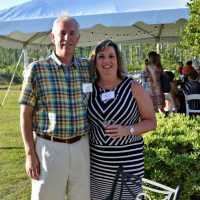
{"x":124,"y":21}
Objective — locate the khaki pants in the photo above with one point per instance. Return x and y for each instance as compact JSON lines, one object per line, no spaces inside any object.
{"x":64,"y":170}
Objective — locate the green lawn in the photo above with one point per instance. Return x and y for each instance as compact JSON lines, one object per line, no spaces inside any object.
{"x":14,"y":183}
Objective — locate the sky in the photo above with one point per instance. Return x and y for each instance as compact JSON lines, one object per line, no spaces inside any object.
{"x":10,"y":3}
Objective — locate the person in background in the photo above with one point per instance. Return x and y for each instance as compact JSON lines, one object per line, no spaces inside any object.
{"x":119,"y":112}
{"x":53,"y":109}
{"x":192,"y":86}
{"x":186,"y":70}
{"x":180,"y":73}
{"x":143,"y":79}
{"x":174,"y":90}
{"x":180,"y":68}
{"x":153,"y":74}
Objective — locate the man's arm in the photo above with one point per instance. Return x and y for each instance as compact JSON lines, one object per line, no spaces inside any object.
{"x":32,"y":162}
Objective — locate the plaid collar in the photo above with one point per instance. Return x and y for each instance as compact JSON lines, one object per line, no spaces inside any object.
{"x":60,"y":65}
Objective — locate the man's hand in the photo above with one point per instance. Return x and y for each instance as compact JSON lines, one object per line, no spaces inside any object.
{"x":33,"y":167}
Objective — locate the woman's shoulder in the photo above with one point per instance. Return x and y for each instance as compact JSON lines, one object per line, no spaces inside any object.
{"x":127,"y":79}
{"x":136,"y":87}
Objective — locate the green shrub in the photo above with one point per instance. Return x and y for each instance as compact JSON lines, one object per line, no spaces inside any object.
{"x":172,"y":153}
{"x":134,"y":68}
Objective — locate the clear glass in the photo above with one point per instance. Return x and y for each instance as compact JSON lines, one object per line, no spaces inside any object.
{"x":108,"y":122}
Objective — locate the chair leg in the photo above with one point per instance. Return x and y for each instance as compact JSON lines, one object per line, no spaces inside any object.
{"x":111,"y":196}
{"x":177,"y":193}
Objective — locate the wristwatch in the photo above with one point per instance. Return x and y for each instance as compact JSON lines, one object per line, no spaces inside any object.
{"x":132,"y":130}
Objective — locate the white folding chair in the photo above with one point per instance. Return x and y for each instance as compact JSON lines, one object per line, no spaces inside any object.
{"x":189,"y":97}
{"x":153,"y":187}
{"x":173,"y":108}
{"x":150,"y":189}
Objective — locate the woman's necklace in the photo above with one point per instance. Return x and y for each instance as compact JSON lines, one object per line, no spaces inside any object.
{"x":110,"y":86}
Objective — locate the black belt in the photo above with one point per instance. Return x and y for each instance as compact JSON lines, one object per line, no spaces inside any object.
{"x":54,"y":139}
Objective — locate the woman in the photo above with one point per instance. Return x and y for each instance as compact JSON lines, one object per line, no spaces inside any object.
{"x":153,"y":73}
{"x":174,"y":90}
{"x":119,"y":112}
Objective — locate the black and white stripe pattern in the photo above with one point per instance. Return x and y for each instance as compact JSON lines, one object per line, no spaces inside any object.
{"x":192,"y":87}
{"x":108,"y":154}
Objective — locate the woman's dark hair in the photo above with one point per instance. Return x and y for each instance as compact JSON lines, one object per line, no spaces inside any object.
{"x":146,"y":61}
{"x":121,"y":72}
{"x":193,"y":74}
{"x":189,"y":62}
{"x":169,"y":75}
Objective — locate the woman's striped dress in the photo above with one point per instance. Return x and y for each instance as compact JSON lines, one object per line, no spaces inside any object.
{"x":108,"y":154}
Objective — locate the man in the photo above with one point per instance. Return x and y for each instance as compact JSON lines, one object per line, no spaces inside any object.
{"x":53,"y":108}
{"x":188,"y":68}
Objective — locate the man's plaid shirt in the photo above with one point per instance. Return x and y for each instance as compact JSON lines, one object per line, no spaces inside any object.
{"x":57,"y":97}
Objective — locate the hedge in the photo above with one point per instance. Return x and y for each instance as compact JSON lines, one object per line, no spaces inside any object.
{"x":172,"y":153}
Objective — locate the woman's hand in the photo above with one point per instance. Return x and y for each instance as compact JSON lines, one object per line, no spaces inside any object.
{"x":117,"y":131}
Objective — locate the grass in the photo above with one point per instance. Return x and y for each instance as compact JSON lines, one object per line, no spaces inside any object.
{"x":14,"y":183}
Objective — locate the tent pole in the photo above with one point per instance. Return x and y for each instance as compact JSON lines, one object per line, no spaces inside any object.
{"x":25,"y":60}
{"x":12,"y":79}
{"x":160,"y":30}
{"x":158,"y":47}
{"x":130,"y":54}
{"x":120,"y":47}
{"x":25,"y":57}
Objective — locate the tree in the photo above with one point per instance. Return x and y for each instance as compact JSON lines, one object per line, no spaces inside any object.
{"x":191,"y":33}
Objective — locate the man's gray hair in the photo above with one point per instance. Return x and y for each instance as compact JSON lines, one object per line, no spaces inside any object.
{"x":65,"y":18}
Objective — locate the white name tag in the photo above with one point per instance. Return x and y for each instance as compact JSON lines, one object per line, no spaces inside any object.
{"x":108,"y":95}
{"x":87,"y":87}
